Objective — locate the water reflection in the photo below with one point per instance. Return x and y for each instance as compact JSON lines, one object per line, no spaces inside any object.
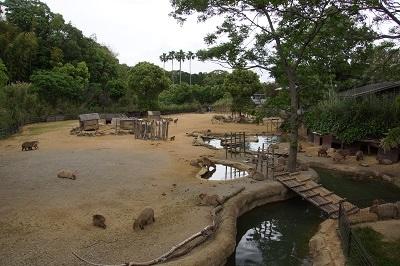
{"x":276,"y":234}
{"x":216,"y":143}
{"x":266,"y":140}
{"x":224,"y":172}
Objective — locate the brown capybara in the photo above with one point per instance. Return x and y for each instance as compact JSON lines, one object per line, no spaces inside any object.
{"x":323,"y":152}
{"x":30,"y":145}
{"x":176,"y":121}
{"x":209,"y":200}
{"x":66,"y":174}
{"x":99,"y":221}
{"x":172,"y":138}
{"x":146,"y":217}
{"x":359,"y":156}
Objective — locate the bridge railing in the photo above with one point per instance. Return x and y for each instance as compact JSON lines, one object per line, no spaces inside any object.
{"x":352,"y":246}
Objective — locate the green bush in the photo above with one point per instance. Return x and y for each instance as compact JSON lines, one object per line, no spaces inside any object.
{"x":354,"y":119}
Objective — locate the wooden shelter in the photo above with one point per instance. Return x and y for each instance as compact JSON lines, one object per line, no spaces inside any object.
{"x":153,"y":115}
{"x":89,"y":121}
{"x":387,"y":88}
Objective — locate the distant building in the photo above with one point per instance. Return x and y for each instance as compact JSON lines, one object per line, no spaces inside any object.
{"x":382,"y":88}
{"x":258,"y":98}
{"x":89,"y":121}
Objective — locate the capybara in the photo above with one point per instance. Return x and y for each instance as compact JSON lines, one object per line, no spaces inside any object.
{"x":323,"y":151}
{"x":66,"y":174}
{"x":210,"y":200}
{"x":385,"y":211}
{"x":29,"y":145}
{"x":359,"y":156}
{"x":146,"y":217}
{"x":99,"y":221}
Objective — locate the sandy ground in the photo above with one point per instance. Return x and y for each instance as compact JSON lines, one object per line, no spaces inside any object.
{"x":44,"y":218}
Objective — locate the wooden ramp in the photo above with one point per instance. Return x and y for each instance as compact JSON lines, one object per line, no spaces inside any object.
{"x":316,"y":194}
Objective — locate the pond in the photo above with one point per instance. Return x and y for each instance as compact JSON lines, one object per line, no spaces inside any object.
{"x":250,"y":146}
{"x":278,"y":233}
{"x":223,"y":173}
{"x":216,"y":143}
{"x":266,"y":140}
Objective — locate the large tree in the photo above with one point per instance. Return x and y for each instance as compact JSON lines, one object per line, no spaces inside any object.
{"x":267,"y":34}
{"x":242,"y":84}
{"x":147,"y":80}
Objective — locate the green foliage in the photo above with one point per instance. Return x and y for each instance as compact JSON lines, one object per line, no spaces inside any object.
{"x":383,"y":252}
{"x":18,"y":103}
{"x":354,"y":119}
{"x":392,"y":139}
{"x":3,"y":74}
{"x":242,"y":84}
{"x":147,"y":81}
{"x":224,"y":104}
{"x":66,"y":82}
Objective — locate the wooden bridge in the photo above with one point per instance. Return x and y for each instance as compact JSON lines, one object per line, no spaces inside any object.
{"x":316,"y":194}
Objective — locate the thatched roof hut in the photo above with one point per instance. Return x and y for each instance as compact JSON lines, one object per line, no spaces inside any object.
{"x":89,"y":121}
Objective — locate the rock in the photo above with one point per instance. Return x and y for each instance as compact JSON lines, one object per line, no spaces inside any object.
{"x":194,"y":162}
{"x":164,"y":194}
{"x":387,"y":178}
{"x":364,"y":164}
{"x":385,"y":162}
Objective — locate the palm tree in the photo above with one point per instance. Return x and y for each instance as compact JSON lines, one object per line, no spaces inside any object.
{"x":171,"y":56}
{"x":180,"y":56}
{"x":164,"y":59}
{"x":190,"y":55}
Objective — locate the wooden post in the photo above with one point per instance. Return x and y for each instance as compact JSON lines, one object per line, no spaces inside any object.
{"x":226,"y":147}
{"x":230,"y":145}
{"x":244,"y":143}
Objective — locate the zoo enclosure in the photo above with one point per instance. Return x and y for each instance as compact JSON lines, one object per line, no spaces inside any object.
{"x":235,"y":145}
{"x":352,"y":246}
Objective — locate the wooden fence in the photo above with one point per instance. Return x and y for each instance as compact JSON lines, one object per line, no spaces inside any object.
{"x":352,"y":246}
{"x":151,"y":130}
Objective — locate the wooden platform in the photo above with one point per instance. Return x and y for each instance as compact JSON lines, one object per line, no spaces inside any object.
{"x":316,"y":194}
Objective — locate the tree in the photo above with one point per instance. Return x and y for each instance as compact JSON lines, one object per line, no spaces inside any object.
{"x":20,"y":55}
{"x":164,"y":59}
{"x":242,"y":84}
{"x":180,"y":56}
{"x":3,"y":74}
{"x":190,"y":56}
{"x":171,"y":56}
{"x":260,"y":34}
{"x":147,"y":80}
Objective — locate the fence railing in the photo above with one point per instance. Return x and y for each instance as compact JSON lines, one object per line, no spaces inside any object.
{"x":235,"y":145}
{"x":352,"y":246}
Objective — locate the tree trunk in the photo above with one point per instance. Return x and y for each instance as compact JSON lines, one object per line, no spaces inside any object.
{"x":293,"y":120}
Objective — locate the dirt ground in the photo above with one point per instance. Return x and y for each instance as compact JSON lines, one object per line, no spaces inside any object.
{"x":44,"y":218}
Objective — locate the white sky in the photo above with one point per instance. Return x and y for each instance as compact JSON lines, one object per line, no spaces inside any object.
{"x":137,"y":30}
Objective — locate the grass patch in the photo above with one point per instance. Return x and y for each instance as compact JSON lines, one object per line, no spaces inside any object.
{"x":40,"y":128}
{"x":383,"y":253}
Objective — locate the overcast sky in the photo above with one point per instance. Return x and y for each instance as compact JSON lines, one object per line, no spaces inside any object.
{"x":137,"y":30}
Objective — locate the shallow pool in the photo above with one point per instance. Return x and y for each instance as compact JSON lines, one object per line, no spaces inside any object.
{"x":224,"y":173}
{"x":216,"y":143}
{"x":266,"y":140}
{"x":278,"y":233}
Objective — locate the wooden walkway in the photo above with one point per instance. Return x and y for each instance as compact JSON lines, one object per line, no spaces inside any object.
{"x":316,"y":194}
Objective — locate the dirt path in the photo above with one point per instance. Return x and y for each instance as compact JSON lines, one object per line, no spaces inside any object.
{"x":43,"y":218}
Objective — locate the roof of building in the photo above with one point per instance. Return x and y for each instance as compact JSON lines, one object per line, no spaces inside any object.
{"x":153,"y":112}
{"x":87,"y":117}
{"x":370,"y":89}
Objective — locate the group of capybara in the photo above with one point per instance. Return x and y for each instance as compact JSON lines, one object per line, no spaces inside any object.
{"x":146,"y":217}
{"x":339,"y":155}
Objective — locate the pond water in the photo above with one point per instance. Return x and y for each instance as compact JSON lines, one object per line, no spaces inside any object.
{"x":266,"y":140}
{"x":278,"y":233}
{"x":251,"y":146}
{"x":224,"y":173}
{"x":216,"y":143}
